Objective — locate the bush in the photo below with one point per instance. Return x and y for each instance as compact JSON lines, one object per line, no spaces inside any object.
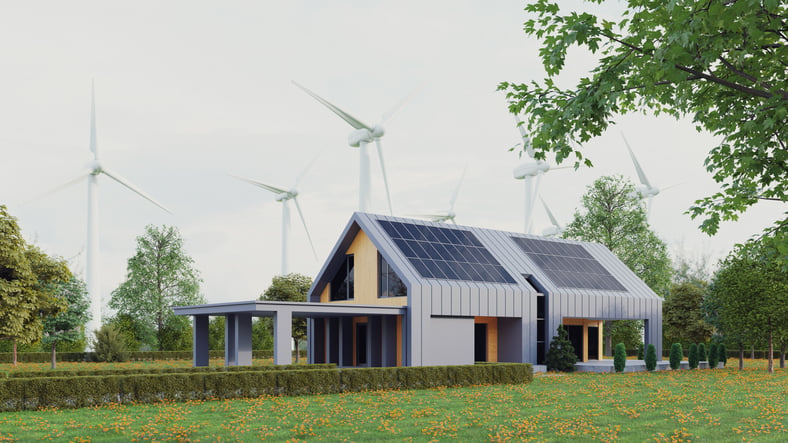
{"x":693,"y":356}
{"x":110,"y":345}
{"x":641,"y":355}
{"x":702,"y":355}
{"x":676,"y":355}
{"x":561,"y":355}
{"x":620,"y":357}
{"x":713,"y":356}
{"x":722,"y":354}
{"x":651,"y":357}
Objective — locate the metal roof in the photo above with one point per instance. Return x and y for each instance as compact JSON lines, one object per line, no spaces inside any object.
{"x":503,"y":247}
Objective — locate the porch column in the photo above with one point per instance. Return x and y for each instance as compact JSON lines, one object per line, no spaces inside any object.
{"x":200,"y":354}
{"x":283,"y":328}
{"x":230,"y":352}
{"x":238,"y":340}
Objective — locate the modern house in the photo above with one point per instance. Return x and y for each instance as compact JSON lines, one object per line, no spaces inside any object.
{"x":403,"y":292}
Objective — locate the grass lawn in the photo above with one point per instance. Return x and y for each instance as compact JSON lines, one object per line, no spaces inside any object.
{"x":699,"y":405}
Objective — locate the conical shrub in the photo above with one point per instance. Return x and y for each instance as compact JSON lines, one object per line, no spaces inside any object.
{"x":620,"y":357}
{"x":713,"y":356}
{"x":692,"y":358}
{"x":561,"y":355}
{"x":651,"y":357}
{"x":676,"y":355}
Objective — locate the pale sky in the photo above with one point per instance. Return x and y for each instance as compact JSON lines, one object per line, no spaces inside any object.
{"x":189,"y":92}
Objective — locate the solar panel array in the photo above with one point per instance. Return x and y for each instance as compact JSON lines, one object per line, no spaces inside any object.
{"x":568,"y":265}
{"x":446,"y":253}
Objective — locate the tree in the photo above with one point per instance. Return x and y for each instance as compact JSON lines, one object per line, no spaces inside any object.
{"x":160,"y":275}
{"x":651,"y":357}
{"x":620,"y":357}
{"x":750,"y":291}
{"x":713,"y":356}
{"x":613,"y":215}
{"x":692,"y":356}
{"x":561,"y":354}
{"x":723,"y":63}
{"x":682,"y":315}
{"x":109,"y":345}
{"x":290,"y":287}
{"x":68,"y":325}
{"x":676,"y":355}
{"x":137,"y":336}
{"x":28,"y":280}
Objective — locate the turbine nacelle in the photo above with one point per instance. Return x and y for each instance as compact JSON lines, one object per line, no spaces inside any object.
{"x":646,"y":192}
{"x":531,"y":169}
{"x":284,"y":196}
{"x":552,"y":231}
{"x":359,"y":136}
{"x":95,"y":167}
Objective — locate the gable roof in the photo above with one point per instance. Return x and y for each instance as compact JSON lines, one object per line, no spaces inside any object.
{"x":520,"y":263}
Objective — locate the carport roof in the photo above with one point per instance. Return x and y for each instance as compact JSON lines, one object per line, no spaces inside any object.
{"x":296,"y":309}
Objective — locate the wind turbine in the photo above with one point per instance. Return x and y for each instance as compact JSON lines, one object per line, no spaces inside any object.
{"x":96,"y":168}
{"x":647,"y":191}
{"x":284,"y":196}
{"x":359,"y":138}
{"x":449,"y":215}
{"x":528,"y":171}
{"x":556,"y":229}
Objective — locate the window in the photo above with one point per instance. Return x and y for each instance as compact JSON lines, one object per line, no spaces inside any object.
{"x":389,"y":284}
{"x":342,"y":284}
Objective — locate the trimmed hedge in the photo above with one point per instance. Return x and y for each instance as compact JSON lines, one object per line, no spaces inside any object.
{"x":76,"y":392}
{"x":46,"y":357}
{"x":142,"y":371}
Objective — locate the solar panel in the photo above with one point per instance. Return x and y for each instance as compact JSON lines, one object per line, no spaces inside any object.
{"x":568,"y":265}
{"x":446,"y":253}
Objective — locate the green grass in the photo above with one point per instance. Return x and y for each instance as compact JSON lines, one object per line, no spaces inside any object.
{"x":704,"y":405}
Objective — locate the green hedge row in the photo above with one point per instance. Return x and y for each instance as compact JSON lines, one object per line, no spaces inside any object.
{"x":46,"y":357}
{"x":63,"y":392}
{"x":143,"y":371}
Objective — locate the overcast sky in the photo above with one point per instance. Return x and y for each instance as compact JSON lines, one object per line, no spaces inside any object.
{"x":189,"y":92}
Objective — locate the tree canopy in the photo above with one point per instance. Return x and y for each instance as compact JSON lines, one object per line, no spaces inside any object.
{"x":750,"y":294}
{"x":722,"y":63}
{"x":68,"y":325}
{"x":28,"y":282}
{"x":160,"y":275}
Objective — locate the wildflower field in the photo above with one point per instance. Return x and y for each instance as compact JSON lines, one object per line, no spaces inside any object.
{"x":668,"y":406}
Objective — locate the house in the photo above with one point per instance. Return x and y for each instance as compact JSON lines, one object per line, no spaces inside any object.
{"x":404,"y":292}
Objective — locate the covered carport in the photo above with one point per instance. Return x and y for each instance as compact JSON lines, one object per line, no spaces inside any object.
{"x":238,"y":328}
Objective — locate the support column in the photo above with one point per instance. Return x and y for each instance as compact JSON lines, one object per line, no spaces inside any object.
{"x":200,"y":354}
{"x":230,"y":352}
{"x":238,"y":340}
{"x":283,"y":328}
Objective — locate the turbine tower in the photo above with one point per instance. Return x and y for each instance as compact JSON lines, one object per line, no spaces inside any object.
{"x":529,"y":171}
{"x":556,"y":229}
{"x":361,"y":136}
{"x":96,"y":168}
{"x":646,"y":191}
{"x":449,"y":215}
{"x":284,"y":196}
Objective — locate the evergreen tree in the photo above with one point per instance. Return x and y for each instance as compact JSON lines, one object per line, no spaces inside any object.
{"x":713,"y":356}
{"x":69,"y":325}
{"x":692,"y":358}
{"x":620,"y":357}
{"x":641,"y":353}
{"x":722,"y":354}
{"x":702,"y":355}
{"x":676,"y":356}
{"x":561,"y":354}
{"x":651,"y":357}
{"x":109,"y":345}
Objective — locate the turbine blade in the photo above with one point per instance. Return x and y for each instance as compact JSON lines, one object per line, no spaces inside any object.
{"x":457,"y":190}
{"x":270,"y":188}
{"x":93,"y":141}
{"x":58,"y":188}
{"x":641,"y":174}
{"x":303,"y":173}
{"x":394,"y":109}
{"x":115,"y":176}
{"x":352,"y":121}
{"x":526,"y":140}
{"x":385,"y":178}
{"x":303,"y":220}
{"x":550,"y":215}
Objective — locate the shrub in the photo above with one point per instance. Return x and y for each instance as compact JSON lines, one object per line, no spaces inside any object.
{"x":651,"y":357}
{"x":702,"y":355}
{"x":722,"y":354}
{"x":561,"y":355}
{"x":676,"y":355}
{"x":620,"y":357}
{"x":713,"y":356}
{"x":641,"y":355}
{"x":110,"y":345}
{"x":692,"y":358}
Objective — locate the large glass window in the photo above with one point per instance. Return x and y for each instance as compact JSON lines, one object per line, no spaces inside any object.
{"x":342,"y":284}
{"x":389,"y":284}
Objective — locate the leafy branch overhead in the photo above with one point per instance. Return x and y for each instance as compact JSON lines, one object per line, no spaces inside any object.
{"x":722,"y":63}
